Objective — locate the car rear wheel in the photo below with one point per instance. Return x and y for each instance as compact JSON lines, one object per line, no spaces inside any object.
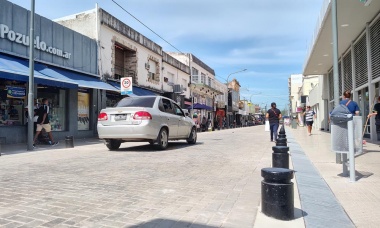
{"x":162,"y":139}
{"x":193,"y":136}
{"x":113,"y":144}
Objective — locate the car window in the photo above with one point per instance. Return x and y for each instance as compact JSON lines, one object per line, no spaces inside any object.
{"x":146,"y":102}
{"x":161,"y":106}
{"x":178,"y":110}
{"x":167,"y":105}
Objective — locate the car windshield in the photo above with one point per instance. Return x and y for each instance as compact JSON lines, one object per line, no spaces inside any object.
{"x":146,"y":102}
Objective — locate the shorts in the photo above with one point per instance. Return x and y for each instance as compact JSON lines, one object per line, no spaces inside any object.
{"x":309,"y":123}
{"x":47,"y":127}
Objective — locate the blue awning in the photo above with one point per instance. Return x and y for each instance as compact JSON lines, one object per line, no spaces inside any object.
{"x":142,"y":92}
{"x":81,"y":79}
{"x":14,"y":68}
{"x":136,"y":91}
{"x":115,"y":84}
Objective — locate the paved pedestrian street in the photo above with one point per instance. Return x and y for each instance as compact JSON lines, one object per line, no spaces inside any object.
{"x":215,"y":183}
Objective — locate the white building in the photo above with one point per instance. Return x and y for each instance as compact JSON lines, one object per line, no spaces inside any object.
{"x":124,"y":52}
{"x":358,"y":51}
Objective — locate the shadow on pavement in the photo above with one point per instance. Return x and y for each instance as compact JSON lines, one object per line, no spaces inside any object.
{"x":358,"y":174}
{"x":151,"y":148}
{"x":170,"y":223}
{"x":299,"y":213}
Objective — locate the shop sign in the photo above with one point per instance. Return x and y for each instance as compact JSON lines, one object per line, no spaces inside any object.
{"x":126,"y":85}
{"x":6,"y":33}
{"x":16,"y":92}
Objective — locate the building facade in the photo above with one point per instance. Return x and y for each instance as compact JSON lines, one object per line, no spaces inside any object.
{"x":358,"y":56}
{"x":65,"y":69}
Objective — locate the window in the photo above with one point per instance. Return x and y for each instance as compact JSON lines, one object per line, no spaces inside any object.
{"x":168,"y":108}
{"x":57,"y":103}
{"x":84,"y":110}
{"x":178,"y":110}
{"x":203,"y":78}
{"x":12,"y":95}
{"x":195,"y":76}
{"x":146,"y":102}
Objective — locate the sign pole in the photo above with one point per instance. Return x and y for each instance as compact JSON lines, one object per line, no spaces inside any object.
{"x":31,"y":80}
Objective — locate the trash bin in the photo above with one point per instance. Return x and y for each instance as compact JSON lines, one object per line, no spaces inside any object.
{"x":69,"y":141}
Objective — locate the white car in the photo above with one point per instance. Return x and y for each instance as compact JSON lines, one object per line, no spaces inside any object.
{"x":153,"y":119}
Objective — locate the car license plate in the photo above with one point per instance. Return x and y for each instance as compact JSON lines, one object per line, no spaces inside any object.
{"x":121,"y":117}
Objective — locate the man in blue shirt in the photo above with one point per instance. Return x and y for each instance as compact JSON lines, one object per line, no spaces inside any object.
{"x":351,"y":105}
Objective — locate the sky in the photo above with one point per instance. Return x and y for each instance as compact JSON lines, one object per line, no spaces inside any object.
{"x":269,"y":38}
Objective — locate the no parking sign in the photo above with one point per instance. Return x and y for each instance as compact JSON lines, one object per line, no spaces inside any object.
{"x":126,"y":85}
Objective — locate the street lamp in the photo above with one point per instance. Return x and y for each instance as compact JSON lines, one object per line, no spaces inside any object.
{"x":228,"y":91}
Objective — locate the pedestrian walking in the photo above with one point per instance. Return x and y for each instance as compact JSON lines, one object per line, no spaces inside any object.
{"x":274,"y":116}
{"x":376,"y":112}
{"x":309,"y":119}
{"x":351,"y":105}
{"x":43,"y":122}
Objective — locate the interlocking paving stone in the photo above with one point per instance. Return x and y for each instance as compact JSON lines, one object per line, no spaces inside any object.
{"x":208,"y":184}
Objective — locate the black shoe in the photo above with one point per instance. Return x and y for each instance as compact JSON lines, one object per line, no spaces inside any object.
{"x":54,"y":143}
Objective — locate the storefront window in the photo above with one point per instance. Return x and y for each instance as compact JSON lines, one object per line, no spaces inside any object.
{"x":12,"y":96}
{"x":57,"y":104}
{"x":83,"y":110}
{"x":112,"y":98}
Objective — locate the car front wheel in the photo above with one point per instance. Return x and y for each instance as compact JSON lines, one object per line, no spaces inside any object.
{"x":193,"y":136}
{"x":162,"y":139}
{"x":113,"y":144}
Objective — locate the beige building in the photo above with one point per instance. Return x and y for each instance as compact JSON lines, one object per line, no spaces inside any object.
{"x":294,"y":84}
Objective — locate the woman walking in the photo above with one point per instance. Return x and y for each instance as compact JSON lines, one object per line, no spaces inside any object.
{"x":309,"y":119}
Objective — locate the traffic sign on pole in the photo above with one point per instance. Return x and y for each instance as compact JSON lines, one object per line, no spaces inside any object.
{"x":126,"y":85}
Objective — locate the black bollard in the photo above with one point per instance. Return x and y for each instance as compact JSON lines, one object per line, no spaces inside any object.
{"x":281,"y":140}
{"x":280,"y":157}
{"x":69,"y":141}
{"x":277,"y":195}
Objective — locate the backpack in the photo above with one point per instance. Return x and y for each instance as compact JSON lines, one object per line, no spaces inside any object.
{"x":341,"y":114}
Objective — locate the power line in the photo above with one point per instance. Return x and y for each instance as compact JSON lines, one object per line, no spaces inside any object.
{"x":146,"y":26}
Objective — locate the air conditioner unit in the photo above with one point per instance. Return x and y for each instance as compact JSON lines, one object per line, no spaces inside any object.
{"x":177,"y":88}
{"x":147,"y":66}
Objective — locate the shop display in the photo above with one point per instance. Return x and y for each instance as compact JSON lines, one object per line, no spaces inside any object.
{"x":83,"y":111}
{"x":11,"y":103}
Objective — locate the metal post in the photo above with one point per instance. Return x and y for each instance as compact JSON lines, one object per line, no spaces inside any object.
{"x":351,"y":150}
{"x":31,"y":79}
{"x":191,"y":90}
{"x":228,"y":116}
{"x":335,"y":60}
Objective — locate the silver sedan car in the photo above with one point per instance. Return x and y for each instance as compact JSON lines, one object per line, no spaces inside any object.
{"x":153,"y":119}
